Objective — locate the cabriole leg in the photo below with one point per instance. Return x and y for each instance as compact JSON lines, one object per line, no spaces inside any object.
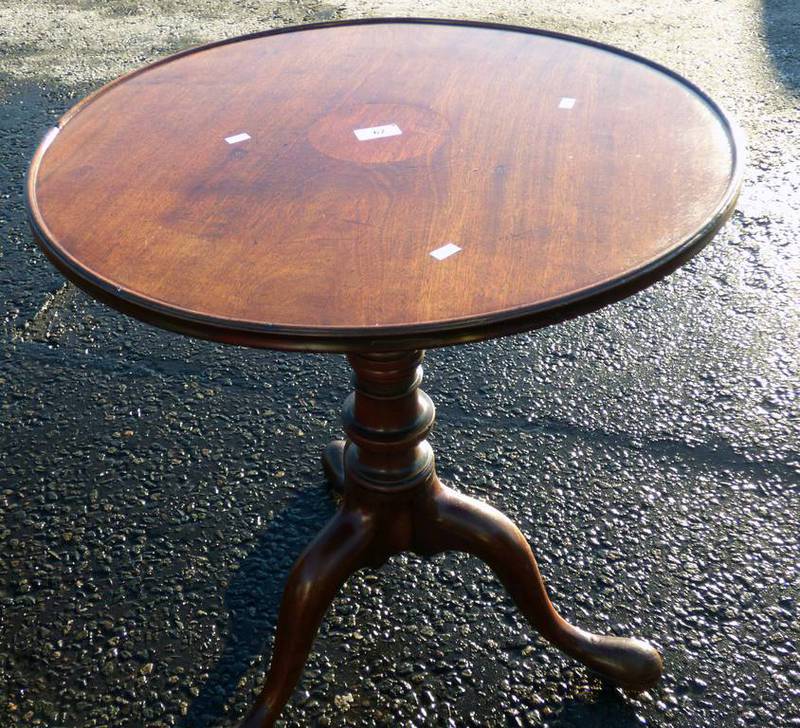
{"x":458,"y":523}
{"x":315,"y":579}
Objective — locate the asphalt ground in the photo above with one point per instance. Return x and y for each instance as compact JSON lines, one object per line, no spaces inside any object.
{"x":154,"y":490}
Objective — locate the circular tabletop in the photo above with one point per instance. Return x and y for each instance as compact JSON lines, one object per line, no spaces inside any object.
{"x":380,"y":184}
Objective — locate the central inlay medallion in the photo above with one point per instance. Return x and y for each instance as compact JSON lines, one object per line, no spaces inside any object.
{"x":402,"y":131}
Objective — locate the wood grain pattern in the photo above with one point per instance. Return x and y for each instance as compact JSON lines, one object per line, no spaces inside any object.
{"x":304,"y":237}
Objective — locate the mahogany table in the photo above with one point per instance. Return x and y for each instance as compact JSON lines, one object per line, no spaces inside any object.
{"x":378,"y":187}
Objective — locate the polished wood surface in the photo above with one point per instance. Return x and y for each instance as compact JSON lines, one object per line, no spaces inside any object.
{"x":568,"y":173}
{"x":394,"y":502}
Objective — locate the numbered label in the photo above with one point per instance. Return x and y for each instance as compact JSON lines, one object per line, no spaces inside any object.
{"x":377,"y":132}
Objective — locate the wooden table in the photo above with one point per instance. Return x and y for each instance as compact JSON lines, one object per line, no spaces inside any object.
{"x":377,"y":187}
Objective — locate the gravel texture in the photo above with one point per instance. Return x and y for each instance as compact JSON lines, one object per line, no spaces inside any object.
{"x":155,"y":490}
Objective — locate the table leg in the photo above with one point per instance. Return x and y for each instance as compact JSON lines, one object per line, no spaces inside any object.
{"x":458,"y":523}
{"x":333,"y":464}
{"x":316,"y":577}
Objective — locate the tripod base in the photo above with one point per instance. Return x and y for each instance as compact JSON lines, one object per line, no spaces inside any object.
{"x":392,"y":501}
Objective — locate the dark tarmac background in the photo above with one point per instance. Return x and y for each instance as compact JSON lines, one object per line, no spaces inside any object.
{"x":155,"y":490}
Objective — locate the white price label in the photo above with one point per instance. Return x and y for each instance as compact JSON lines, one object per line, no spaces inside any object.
{"x":377,"y":132}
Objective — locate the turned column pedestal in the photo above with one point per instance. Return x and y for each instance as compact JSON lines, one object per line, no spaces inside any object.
{"x":392,"y":501}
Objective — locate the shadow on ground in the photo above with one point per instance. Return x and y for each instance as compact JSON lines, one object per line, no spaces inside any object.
{"x":781,"y":19}
{"x":606,"y":707}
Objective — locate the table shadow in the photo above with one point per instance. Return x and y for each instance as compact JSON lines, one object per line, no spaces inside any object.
{"x":606,"y":708}
{"x":781,"y":26}
{"x":252,"y":600}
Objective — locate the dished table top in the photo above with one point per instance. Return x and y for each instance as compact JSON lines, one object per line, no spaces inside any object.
{"x":382,"y":184}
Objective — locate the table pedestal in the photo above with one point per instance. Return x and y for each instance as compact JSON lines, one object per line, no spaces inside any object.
{"x":394,"y":502}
